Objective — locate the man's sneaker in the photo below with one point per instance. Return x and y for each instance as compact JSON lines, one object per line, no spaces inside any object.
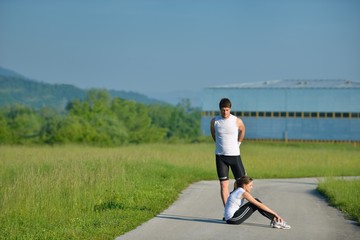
{"x":280,"y":225}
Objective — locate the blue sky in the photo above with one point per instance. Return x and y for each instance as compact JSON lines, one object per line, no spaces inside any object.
{"x":163,"y":47}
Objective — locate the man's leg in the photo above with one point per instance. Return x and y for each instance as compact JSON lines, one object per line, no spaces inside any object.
{"x":222,"y":169}
{"x":237,"y":167}
{"x":224,"y":190}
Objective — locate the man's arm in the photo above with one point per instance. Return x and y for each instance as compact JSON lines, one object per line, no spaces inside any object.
{"x":241,"y":127}
{"x":212,"y":128}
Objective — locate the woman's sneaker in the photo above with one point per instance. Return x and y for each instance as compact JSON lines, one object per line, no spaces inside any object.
{"x":280,"y":225}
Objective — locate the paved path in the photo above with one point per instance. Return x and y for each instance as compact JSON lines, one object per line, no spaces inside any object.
{"x":198,"y":211}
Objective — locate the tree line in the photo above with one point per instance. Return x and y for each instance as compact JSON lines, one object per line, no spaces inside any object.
{"x":100,"y":119}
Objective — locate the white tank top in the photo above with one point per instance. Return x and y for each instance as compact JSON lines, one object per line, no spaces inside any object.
{"x":233,"y":203}
{"x":226,"y":136}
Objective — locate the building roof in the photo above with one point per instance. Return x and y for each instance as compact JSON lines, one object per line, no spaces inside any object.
{"x":295,"y":83}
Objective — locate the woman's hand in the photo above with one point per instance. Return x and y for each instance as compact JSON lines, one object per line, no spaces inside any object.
{"x":278,"y":218}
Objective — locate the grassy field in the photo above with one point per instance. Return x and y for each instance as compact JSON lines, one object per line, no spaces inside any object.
{"x":79,"y":192}
{"x":343,"y":194}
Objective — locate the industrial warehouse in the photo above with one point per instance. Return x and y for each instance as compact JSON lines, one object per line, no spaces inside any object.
{"x":319,"y":110}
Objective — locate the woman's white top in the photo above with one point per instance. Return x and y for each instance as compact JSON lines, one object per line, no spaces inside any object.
{"x":233,"y":203}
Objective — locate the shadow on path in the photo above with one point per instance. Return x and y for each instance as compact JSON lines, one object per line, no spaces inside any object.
{"x":205,"y":220}
{"x":190,"y":218}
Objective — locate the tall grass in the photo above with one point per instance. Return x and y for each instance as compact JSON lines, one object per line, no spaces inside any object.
{"x":79,"y":192}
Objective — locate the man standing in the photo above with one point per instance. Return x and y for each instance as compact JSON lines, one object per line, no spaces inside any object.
{"x":228,"y":131}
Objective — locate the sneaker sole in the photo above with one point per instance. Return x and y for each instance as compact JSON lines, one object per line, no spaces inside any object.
{"x":280,"y":227}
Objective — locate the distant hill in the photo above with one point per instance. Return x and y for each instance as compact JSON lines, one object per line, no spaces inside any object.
{"x":14,"y":88}
{"x":9,"y":73}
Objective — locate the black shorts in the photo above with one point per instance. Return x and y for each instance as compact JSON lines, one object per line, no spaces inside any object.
{"x":224,"y":162}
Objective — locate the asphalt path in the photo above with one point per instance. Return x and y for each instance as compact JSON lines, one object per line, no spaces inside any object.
{"x":198,"y":212}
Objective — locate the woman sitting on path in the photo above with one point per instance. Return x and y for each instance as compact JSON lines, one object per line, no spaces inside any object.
{"x":237,"y":212}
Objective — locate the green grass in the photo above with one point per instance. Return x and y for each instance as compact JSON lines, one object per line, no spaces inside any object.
{"x":279,"y":160}
{"x":79,"y":192}
{"x":343,"y":194}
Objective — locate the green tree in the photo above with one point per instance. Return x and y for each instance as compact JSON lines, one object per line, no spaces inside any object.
{"x":74,"y":129}
{"x":102,"y":125}
{"x":25,"y":124}
{"x":99,"y":101}
{"x":160,"y":115}
{"x":109,"y":130}
{"x":101,"y":120}
{"x":51,"y":121}
{"x":188,"y":121}
{"x":5,"y":131}
{"x":136,"y":118}
{"x":77,"y":107}
{"x":182,"y":122}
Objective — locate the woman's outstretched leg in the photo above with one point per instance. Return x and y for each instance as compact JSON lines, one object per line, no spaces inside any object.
{"x":268,"y":215}
{"x":246,"y":211}
{"x":242,"y":214}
